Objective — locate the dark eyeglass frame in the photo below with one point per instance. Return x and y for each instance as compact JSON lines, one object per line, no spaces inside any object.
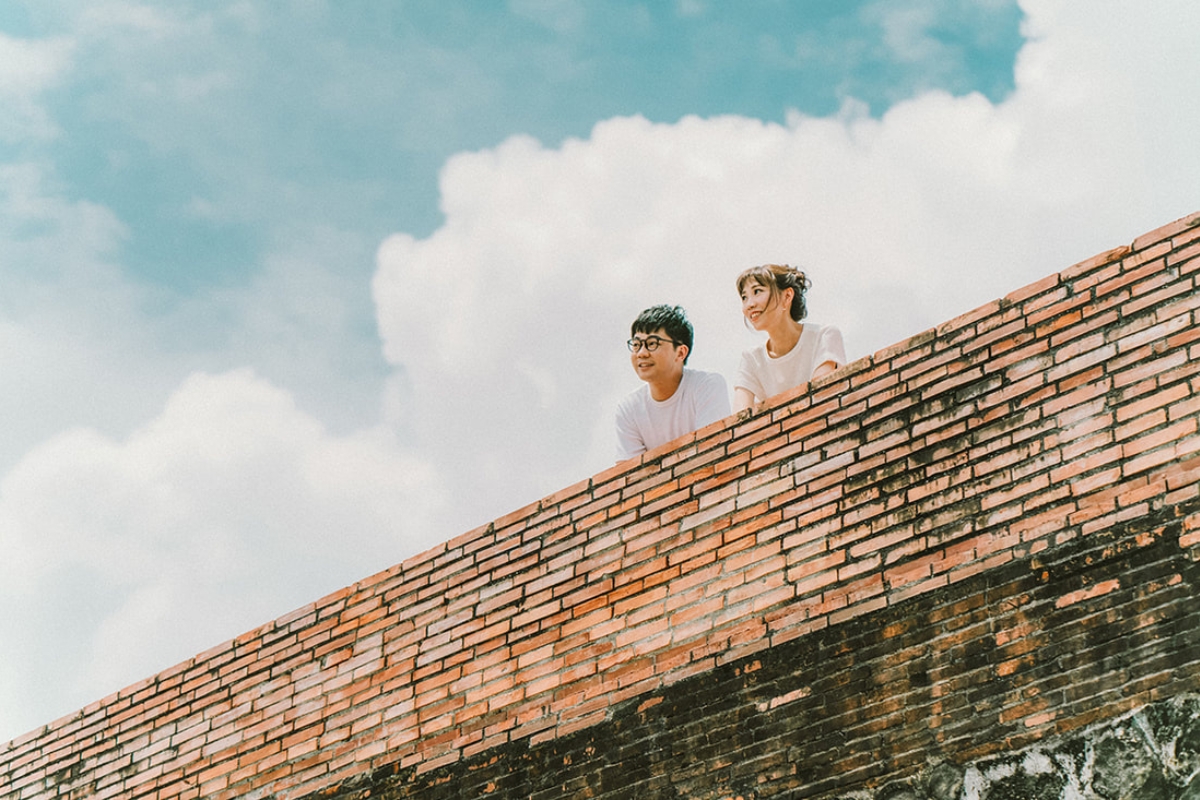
{"x":651,"y":343}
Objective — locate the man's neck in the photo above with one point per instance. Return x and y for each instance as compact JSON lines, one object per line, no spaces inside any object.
{"x":663,"y":390}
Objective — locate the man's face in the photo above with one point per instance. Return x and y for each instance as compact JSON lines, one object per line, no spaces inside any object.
{"x":662,"y":363}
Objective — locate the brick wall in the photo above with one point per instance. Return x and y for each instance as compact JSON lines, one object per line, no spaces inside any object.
{"x":981,"y":539}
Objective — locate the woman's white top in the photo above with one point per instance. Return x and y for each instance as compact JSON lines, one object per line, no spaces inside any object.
{"x":766,"y":376}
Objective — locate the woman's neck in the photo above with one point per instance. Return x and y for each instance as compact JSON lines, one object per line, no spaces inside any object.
{"x":781,"y":340}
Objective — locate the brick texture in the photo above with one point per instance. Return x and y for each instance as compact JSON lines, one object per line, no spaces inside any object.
{"x":976,"y":539}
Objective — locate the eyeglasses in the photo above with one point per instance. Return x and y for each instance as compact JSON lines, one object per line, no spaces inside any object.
{"x":651,"y":343}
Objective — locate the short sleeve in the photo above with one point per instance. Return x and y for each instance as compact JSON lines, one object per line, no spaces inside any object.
{"x":746,"y":377}
{"x":629,"y":438}
{"x":830,"y":347}
{"x":712,"y":400}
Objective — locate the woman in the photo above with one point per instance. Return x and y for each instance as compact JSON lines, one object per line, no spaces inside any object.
{"x":795,"y":352}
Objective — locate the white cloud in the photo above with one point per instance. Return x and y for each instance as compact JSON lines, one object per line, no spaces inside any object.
{"x":561,"y":16}
{"x":906,"y":30}
{"x":28,"y":68}
{"x":71,"y":316}
{"x":68,"y":318}
{"x":134,"y":544}
{"x":40,"y":230}
{"x":230,"y":508}
{"x":508,"y":320}
{"x":141,"y":21}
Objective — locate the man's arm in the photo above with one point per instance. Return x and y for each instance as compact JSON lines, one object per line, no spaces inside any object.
{"x":629,"y":438}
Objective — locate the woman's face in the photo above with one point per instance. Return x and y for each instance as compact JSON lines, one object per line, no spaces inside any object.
{"x":762,"y":311}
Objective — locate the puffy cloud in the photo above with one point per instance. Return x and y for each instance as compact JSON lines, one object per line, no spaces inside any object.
{"x":507,"y":322}
{"x":129,"y":545}
{"x":230,"y":508}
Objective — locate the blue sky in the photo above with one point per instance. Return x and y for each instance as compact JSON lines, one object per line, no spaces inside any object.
{"x":290,"y":292}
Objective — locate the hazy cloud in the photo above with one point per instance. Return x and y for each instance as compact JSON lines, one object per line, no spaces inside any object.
{"x":28,"y":68}
{"x":228,"y":509}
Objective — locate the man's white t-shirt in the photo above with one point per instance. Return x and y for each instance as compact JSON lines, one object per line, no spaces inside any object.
{"x":767,"y":377}
{"x":644,"y":423}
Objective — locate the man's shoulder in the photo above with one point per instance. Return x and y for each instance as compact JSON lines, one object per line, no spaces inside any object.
{"x":636,"y":398}
{"x":703,"y":374}
{"x":700,"y":379}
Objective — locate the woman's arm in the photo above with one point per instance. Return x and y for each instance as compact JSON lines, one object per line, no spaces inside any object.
{"x":824,"y":369}
{"x":743,"y":398}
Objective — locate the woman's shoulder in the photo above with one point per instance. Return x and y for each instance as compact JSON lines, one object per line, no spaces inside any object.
{"x":819,"y":328}
{"x":826,"y":344}
{"x":755,"y":355}
{"x":817,"y":333}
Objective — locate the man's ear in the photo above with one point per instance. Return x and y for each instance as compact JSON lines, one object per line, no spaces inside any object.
{"x":681,"y":352}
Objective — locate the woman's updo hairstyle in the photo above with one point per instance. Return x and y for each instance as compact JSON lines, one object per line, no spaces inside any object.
{"x":777,"y":278}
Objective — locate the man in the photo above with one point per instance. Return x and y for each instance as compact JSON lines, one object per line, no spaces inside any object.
{"x":675,"y":400}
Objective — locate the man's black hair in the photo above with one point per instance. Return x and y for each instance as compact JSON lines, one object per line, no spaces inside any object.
{"x":670,"y":319}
